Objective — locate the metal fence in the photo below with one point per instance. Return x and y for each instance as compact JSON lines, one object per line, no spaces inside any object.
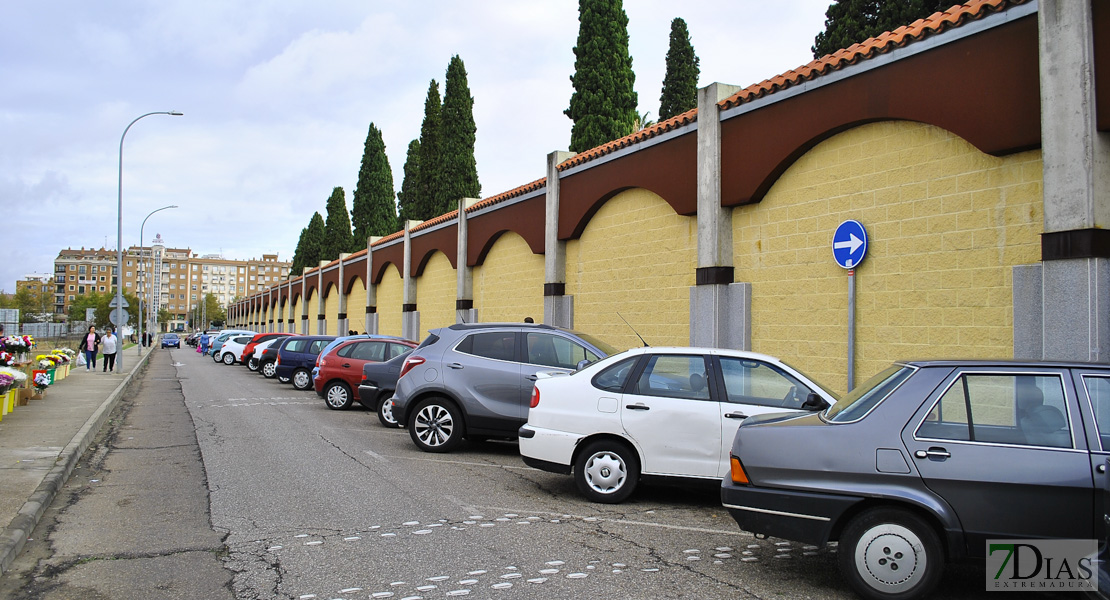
{"x":47,"y":330}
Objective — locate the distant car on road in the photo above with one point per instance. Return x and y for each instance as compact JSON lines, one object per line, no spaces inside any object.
{"x":170,"y":340}
{"x":926,"y":462}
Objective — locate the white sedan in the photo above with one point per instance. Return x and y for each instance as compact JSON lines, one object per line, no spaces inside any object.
{"x":232,"y":350}
{"x":668,"y":412}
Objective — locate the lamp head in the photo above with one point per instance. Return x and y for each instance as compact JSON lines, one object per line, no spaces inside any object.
{"x":175,"y":113}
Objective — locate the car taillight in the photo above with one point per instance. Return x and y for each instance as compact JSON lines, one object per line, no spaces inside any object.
{"x":738,"y":474}
{"x":320,"y":361}
{"x":410,"y":362}
{"x":535,"y":397}
{"x":277,"y":361}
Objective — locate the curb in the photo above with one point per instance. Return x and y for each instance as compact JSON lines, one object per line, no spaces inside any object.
{"x":15,"y":534}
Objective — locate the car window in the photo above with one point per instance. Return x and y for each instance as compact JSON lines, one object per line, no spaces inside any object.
{"x":243,"y":340}
{"x":863,"y":398}
{"x":1003,"y":409}
{"x":1098,"y":390}
{"x":296,"y":345}
{"x":369,"y":351}
{"x":612,"y":379}
{"x":674,"y":376}
{"x":345,"y":351}
{"x":555,"y":351}
{"x":396,"y":350}
{"x":317,"y":345}
{"x":762,"y":384}
{"x":498,"y":345}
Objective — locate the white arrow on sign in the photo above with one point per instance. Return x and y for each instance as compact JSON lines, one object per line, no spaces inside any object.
{"x":852,"y":244}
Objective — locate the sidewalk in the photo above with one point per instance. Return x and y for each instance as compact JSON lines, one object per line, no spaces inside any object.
{"x":40,"y":443}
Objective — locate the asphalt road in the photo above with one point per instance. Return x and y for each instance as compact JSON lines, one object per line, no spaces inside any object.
{"x":258,"y":490}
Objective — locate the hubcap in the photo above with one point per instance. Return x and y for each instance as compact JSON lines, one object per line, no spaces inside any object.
{"x":228,"y":359}
{"x":252,"y":364}
{"x":434,"y":425}
{"x":301,"y":379}
{"x":605,"y":472}
{"x":387,"y":412}
{"x":337,"y":396}
{"x":269,"y":369}
{"x":890,"y":558}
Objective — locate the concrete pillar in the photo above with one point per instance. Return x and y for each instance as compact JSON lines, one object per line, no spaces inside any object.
{"x":558,"y":307}
{"x":304,"y":302}
{"x":321,"y":318}
{"x":410,"y":316}
{"x":371,"y":323}
{"x":1074,"y":282}
{"x":271,"y":309}
{"x":464,"y":294}
{"x":342,"y":326}
{"x":720,"y":309}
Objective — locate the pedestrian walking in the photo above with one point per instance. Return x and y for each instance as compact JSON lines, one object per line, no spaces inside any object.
{"x":89,"y":345}
{"x":110,"y":342}
{"x":202,"y":345}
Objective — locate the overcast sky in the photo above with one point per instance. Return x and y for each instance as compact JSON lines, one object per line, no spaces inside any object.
{"x":278,"y":97}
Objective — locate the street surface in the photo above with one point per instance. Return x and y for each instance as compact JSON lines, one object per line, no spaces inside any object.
{"x":213,"y":482}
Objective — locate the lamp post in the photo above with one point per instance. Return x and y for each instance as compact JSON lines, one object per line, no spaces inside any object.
{"x":119,"y":220}
{"x":144,"y":277}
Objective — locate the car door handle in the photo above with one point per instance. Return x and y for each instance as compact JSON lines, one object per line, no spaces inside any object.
{"x":346,"y":365}
{"x":932,"y":453}
{"x":531,"y":378}
{"x":454,"y":366}
{"x":637,"y":407}
{"x":735,"y":416}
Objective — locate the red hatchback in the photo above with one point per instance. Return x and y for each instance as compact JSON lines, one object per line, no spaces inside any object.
{"x":248,"y":357}
{"x":339,"y":368}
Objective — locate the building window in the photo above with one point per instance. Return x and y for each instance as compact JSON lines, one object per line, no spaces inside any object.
{"x":71,"y":289}
{"x":72,"y":267}
{"x":129,"y":263}
{"x":81,"y":269}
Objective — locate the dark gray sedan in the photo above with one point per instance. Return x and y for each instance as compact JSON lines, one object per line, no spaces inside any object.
{"x":927,"y":461}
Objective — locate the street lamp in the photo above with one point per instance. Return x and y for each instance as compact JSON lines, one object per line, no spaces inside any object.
{"x":119,"y":220}
{"x":144,"y":277}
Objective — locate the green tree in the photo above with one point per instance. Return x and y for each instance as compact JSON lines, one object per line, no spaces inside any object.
{"x":850,"y":22}
{"x":680,"y":83}
{"x":34,"y":305}
{"x":99,"y":302}
{"x":337,"y":226}
{"x":457,"y":165}
{"x":315,"y":235}
{"x":373,"y":209}
{"x":297,"y":264}
{"x":429,"y":183}
{"x":603,"y":105}
{"x":407,"y":197}
{"x":215,"y":313}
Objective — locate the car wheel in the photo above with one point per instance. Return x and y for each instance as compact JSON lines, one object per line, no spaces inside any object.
{"x":215,"y":357}
{"x":252,"y":364}
{"x":302,"y":379}
{"x":890,"y":554}
{"x":269,"y":369}
{"x":385,"y":414}
{"x":229,"y":358}
{"x":607,"y":471}
{"x":435,"y":425}
{"x":337,"y":396}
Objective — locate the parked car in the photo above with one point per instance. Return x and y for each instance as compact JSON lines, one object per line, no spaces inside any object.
{"x":925,"y":462}
{"x":231,"y":351}
{"x":474,"y":380}
{"x":338,"y":370}
{"x":668,"y":413}
{"x":267,"y":359}
{"x":216,"y":341}
{"x":192,"y":339}
{"x":297,"y":356}
{"x":248,"y":357}
{"x":170,"y":340}
{"x":379,"y":381}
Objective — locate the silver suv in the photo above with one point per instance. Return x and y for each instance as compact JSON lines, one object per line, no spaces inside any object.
{"x":474,"y":380}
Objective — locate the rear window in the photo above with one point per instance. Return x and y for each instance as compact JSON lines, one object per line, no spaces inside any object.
{"x":861,"y":400}
{"x":495,"y":345}
{"x":296,"y":345}
{"x":428,"y":341}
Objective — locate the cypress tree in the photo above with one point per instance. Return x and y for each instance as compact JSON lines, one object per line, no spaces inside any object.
{"x":337,"y":227}
{"x":407,"y":197}
{"x":373,"y":210}
{"x":849,"y":22}
{"x":603,"y":105}
{"x":460,"y":170}
{"x":429,"y":183}
{"x":298,"y":255}
{"x":314,"y":237}
{"x":680,"y":84}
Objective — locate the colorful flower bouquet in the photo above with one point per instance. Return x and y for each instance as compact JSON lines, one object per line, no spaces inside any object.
{"x":6,"y":382}
{"x":48,"y":361}
{"x":7,"y":359}
{"x":18,"y":375}
{"x":61,"y":355}
{"x":17,"y":344}
{"x":41,"y":382}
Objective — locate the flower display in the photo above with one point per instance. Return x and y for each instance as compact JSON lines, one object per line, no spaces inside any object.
{"x":42,"y":381}
{"x":61,"y":357}
{"x":6,"y":382}
{"x":16,"y":344}
{"x":17,"y":374}
{"x":48,"y":361}
{"x":7,"y":359}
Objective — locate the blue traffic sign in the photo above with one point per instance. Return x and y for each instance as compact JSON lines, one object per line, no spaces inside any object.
{"x":849,"y":244}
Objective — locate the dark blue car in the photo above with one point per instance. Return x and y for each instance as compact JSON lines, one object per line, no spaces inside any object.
{"x":297,"y":357}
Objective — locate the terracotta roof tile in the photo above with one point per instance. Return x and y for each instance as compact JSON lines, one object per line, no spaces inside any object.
{"x":934,"y":24}
{"x":644,"y":134}
{"x":436,"y":220}
{"x":388,"y":238}
{"x":509,"y":195}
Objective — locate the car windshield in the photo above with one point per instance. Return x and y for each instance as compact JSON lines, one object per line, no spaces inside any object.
{"x":171,"y":336}
{"x":596,"y":343}
{"x":861,"y":400}
{"x":813,"y":381}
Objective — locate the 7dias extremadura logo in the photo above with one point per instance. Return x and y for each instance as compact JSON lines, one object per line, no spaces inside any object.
{"x":1061,"y":565}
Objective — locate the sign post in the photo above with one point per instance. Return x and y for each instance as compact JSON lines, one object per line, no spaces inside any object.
{"x":849,"y":246}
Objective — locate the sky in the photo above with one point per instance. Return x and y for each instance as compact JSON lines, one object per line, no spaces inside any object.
{"x":278,"y":96}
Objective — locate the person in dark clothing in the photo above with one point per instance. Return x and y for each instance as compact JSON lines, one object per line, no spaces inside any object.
{"x":89,"y":345}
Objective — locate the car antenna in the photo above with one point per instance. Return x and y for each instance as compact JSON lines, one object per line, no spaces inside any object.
{"x":646,"y":345}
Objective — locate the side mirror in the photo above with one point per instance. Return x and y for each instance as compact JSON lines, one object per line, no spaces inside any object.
{"x":582,"y":364}
{"x":815,"y":403}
